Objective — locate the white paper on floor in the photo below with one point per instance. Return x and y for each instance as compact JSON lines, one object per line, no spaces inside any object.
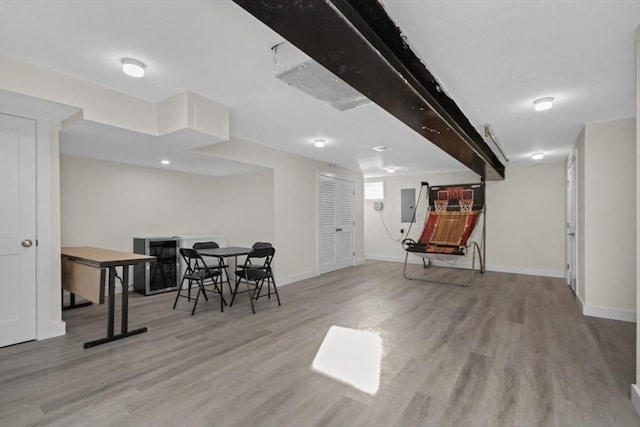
{"x":352,"y":357}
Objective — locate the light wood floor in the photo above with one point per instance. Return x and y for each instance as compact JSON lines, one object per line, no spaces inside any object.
{"x":511,"y":350}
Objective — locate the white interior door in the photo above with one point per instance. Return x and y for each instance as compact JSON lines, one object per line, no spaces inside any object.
{"x":17,"y":230}
{"x":336,"y":231}
{"x":572,"y":223}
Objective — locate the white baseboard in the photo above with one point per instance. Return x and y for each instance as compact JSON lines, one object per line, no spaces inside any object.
{"x":467,"y":265}
{"x":635,"y":397}
{"x":587,"y":310}
{"x":283,"y":281}
{"x":580,"y":302}
{"x":525,"y":270}
{"x":392,"y":258}
{"x":609,"y":313}
{"x":308,"y":275}
{"x":58,"y":329}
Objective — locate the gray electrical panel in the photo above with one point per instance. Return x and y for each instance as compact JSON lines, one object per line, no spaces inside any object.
{"x":407,"y":204}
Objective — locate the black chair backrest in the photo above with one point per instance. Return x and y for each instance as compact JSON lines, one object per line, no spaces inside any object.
{"x":262,"y":252}
{"x":265,"y":253}
{"x":258,"y":245}
{"x":193,"y":260}
{"x":205,"y":245}
{"x":188,"y":253}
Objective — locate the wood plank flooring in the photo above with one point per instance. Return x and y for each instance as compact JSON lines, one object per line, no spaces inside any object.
{"x":510,"y":350}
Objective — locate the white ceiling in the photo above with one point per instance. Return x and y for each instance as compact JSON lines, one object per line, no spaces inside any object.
{"x":493,"y":57}
{"x":99,"y":141}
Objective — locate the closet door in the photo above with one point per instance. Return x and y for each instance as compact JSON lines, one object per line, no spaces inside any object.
{"x":336,"y":224}
{"x":17,"y":230}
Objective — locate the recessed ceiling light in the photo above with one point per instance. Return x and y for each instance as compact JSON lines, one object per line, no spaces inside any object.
{"x":165,"y":162}
{"x":537,"y":156}
{"x":543,"y":104}
{"x":133,"y":67}
{"x":391,"y":169}
{"x":382,"y":148}
{"x":319,"y":143}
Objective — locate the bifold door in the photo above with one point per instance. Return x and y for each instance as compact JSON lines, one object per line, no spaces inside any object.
{"x":336,"y":224}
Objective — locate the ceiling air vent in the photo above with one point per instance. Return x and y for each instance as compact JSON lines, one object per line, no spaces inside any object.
{"x":296,"y":69}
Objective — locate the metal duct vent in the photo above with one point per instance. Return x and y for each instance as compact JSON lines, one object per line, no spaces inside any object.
{"x":296,"y":69}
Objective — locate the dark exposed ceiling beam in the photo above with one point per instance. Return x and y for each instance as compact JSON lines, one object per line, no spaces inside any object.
{"x":357,"y":41}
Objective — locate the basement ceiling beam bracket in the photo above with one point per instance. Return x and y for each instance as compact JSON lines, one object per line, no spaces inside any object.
{"x":358,"y":42}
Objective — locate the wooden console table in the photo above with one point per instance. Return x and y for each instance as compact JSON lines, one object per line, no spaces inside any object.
{"x":83,"y":273}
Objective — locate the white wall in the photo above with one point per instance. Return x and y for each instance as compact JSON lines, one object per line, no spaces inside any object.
{"x":580,"y":156}
{"x":294,"y":177}
{"x":244,"y":207}
{"x":607,"y":214}
{"x":98,"y":103}
{"x":107,"y":204}
{"x":186,"y":110}
{"x":636,"y":396}
{"x":525,"y":218}
{"x":295,"y":221}
{"x":48,"y":300}
{"x":378,"y":244}
{"x":609,"y":218}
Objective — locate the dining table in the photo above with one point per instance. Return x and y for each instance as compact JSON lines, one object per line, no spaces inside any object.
{"x":228,"y":252}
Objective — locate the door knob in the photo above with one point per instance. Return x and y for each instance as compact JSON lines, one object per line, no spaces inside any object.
{"x":572,"y":234}
{"x":27,"y":243}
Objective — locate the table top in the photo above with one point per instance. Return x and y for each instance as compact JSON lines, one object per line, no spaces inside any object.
{"x":225,"y":252}
{"x":100,"y":257}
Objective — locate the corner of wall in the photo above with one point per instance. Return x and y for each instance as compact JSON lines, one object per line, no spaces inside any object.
{"x":609,"y":313}
{"x":635,"y":397}
{"x":56,"y":296}
{"x":48,"y":303}
{"x":58,"y":329}
{"x":578,"y":147}
{"x":283,"y":281}
{"x":634,"y":389}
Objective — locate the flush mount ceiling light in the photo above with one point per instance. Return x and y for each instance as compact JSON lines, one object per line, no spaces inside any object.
{"x":382,"y":148}
{"x":391,"y":169}
{"x":133,"y":67}
{"x":537,"y":156}
{"x":165,"y":162}
{"x":543,"y":104}
{"x":319,"y":143}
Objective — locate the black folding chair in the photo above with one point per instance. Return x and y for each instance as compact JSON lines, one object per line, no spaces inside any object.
{"x":221,"y":264}
{"x":198,"y":271}
{"x":255,"y":272}
{"x":256,"y":245}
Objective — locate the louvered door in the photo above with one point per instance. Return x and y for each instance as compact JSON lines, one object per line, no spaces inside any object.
{"x":335,"y":249}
